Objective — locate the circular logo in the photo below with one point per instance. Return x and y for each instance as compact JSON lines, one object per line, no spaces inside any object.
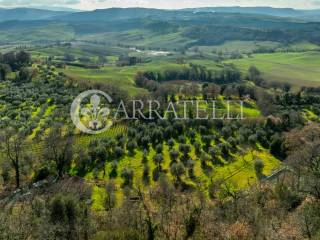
{"x":89,"y":112}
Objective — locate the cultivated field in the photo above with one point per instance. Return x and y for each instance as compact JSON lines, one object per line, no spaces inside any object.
{"x":299,"y":69}
{"x":122,"y":77}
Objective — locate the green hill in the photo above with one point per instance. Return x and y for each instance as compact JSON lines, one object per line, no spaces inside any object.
{"x":203,"y":28}
{"x":28,"y":14}
{"x":299,"y":69}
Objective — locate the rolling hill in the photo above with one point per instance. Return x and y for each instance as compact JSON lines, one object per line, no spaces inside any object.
{"x":309,"y":15}
{"x":138,"y":24}
{"x":23,"y":14}
{"x":45,"y":12}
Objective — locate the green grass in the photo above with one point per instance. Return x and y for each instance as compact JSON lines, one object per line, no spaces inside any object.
{"x":310,"y":116}
{"x":46,"y":114}
{"x":239,"y":46}
{"x":303,"y":46}
{"x":239,"y":172}
{"x":142,"y":38}
{"x":122,"y":77}
{"x":98,"y":196}
{"x":209,"y":64}
{"x":299,"y":69}
{"x":116,"y":129}
{"x":249,"y":108}
{"x":52,"y":32}
{"x":79,"y":50}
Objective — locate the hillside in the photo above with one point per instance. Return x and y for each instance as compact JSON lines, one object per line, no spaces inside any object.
{"x":28,"y":14}
{"x":310,"y":15}
{"x":150,"y":124}
{"x":298,"y":69}
{"x":134,"y":25}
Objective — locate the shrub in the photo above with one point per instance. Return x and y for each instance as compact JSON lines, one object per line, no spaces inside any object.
{"x":41,"y":174}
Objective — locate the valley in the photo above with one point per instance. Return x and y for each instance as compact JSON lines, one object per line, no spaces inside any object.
{"x":251,"y":177}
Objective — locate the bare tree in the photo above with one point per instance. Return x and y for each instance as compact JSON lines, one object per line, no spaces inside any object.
{"x":151,"y":225}
{"x":59,"y":148}
{"x":12,"y":142}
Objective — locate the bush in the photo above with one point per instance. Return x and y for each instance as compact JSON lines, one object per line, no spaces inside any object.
{"x":288,"y":198}
{"x":58,"y":210}
{"x":159,"y":148}
{"x":118,"y":152}
{"x":127,"y":175}
{"x":258,"y":166}
{"x":41,"y":174}
{"x":119,"y":234}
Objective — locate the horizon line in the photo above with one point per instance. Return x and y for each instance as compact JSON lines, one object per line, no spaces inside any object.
{"x":82,"y":10}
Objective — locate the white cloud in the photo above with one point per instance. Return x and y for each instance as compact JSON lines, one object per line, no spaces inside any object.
{"x":28,"y":3}
{"x":93,"y":4}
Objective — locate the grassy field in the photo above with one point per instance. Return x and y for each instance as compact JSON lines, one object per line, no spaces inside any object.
{"x":142,"y":38}
{"x":303,"y":46}
{"x":238,"y":173}
{"x":54,"y":31}
{"x":239,"y":46}
{"x":123,"y":77}
{"x":79,"y":50}
{"x":299,"y":69}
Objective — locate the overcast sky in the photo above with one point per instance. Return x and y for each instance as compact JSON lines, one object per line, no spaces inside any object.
{"x":170,"y":4}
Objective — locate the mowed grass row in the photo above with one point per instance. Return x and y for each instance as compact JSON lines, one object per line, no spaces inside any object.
{"x":299,"y":69}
